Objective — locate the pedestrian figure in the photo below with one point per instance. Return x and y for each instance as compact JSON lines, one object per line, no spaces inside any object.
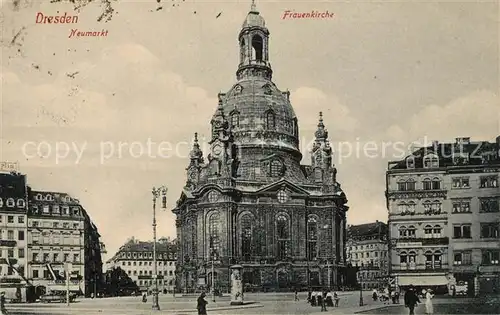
{"x":202,"y":304}
{"x":319,"y":297}
{"x":374,"y":295}
{"x":3,"y":310}
{"x":429,"y":308}
{"x":296,"y":298}
{"x":397,"y":297}
{"x":336,"y":298}
{"x":313,"y":298}
{"x":144,"y":298}
{"x":309,"y":296}
{"x":411,"y":299}
{"x":329,"y":299}
{"x":323,"y":301}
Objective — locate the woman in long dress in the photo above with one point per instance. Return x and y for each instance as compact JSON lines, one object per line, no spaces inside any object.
{"x":429,"y":308}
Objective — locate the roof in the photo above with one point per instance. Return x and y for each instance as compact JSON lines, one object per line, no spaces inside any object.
{"x":254,"y":19}
{"x":367,"y":230}
{"x":479,"y":153}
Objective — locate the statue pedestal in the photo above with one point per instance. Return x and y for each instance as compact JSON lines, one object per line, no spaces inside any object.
{"x":236,"y":285}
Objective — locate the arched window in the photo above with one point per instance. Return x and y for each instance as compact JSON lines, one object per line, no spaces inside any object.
{"x":246,"y":235}
{"x":21,"y":203}
{"x":275,"y":168}
{"x":312,"y":237}
{"x":410,"y":184}
{"x":412,"y":231}
{"x":257,"y":47}
{"x":270,"y":120}
{"x":436,"y":183}
{"x":402,"y":207}
{"x":427,"y":184}
{"x":295,"y":127}
{"x":428,"y":231}
{"x":235,"y":119}
{"x":433,"y":260}
{"x":412,"y":259}
{"x":427,"y":206}
{"x":214,"y":233}
{"x":242,"y":50}
{"x":403,"y":258}
{"x":11,"y":202}
{"x":403,"y":232}
{"x":436,"y":231}
{"x":411,"y":207}
{"x":283,"y":236}
{"x":436,"y":206}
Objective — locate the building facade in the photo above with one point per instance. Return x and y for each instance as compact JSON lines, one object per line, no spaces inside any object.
{"x":367,"y":249}
{"x":41,"y":232}
{"x":444,"y":218}
{"x":136,"y":259}
{"x":252,"y":202}
{"x":13,"y":227}
{"x":61,"y":235}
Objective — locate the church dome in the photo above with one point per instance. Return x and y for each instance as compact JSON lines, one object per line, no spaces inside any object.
{"x":260,"y":114}
{"x":254,"y":19}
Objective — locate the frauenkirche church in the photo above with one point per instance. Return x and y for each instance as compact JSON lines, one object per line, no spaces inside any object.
{"x":251,"y":202}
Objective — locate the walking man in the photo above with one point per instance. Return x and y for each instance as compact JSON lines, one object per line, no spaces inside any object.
{"x":202,"y":304}
{"x":411,"y":299}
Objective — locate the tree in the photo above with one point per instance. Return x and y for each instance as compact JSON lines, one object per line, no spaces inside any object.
{"x":118,"y":283}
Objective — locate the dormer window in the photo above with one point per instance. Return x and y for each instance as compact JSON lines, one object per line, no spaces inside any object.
{"x":431,"y":161}
{"x":55,"y":209}
{"x":21,"y":203}
{"x":46,"y":209}
{"x":49,"y":198}
{"x":76,"y":211}
{"x":65,"y":210}
{"x":270,"y":121}
{"x":410,"y":162}
{"x":10,"y":202}
{"x":38,"y":197}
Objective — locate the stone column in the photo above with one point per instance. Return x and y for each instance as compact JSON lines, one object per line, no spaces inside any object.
{"x":341,"y":243}
{"x":236,"y":285}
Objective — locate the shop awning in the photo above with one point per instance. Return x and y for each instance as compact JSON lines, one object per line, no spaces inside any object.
{"x":418,"y":280}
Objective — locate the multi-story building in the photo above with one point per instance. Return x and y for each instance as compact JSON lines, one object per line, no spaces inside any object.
{"x":136,"y":259}
{"x":252,"y":202}
{"x":366,"y":249}
{"x":13,"y":231}
{"x":61,"y":235}
{"x":444,"y":217}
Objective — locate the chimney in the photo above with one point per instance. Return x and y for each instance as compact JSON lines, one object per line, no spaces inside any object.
{"x":463,"y":140}
{"x":435,"y":144}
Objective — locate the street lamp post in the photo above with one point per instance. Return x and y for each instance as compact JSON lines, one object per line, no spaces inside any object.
{"x":360,"y":290}
{"x":156,"y":194}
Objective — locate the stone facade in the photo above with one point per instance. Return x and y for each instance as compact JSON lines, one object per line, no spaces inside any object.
{"x":136,"y":259}
{"x":367,"y":250}
{"x":252,"y":202}
{"x":443,"y":203}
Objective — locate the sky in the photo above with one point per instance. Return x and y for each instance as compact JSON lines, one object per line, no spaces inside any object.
{"x":107,"y":118}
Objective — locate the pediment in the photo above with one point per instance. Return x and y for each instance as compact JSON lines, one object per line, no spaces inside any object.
{"x":283,"y":184}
